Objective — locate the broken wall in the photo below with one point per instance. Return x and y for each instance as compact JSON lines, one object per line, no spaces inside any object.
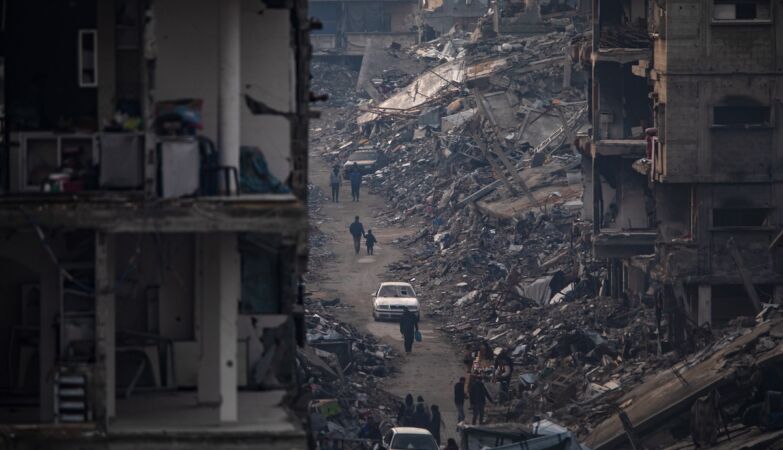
{"x":697,"y":148}
{"x":187,"y":67}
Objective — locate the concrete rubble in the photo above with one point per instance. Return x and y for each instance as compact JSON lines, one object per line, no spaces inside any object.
{"x":481,"y":165}
{"x":341,"y":367}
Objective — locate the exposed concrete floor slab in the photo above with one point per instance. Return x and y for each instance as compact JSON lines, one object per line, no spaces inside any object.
{"x":179,"y":412}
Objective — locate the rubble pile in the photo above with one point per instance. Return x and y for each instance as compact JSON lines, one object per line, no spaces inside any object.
{"x":336,"y":80}
{"x":342,"y":367}
{"x":480,"y":166}
{"x":318,"y":251}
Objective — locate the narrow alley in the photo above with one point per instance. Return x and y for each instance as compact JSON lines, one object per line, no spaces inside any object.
{"x":434,"y":365}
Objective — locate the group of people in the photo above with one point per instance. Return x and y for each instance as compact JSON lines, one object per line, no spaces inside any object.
{"x":354,"y":176}
{"x":357,"y":231}
{"x":479,"y":365}
{"x":418,"y":415}
{"x":476,"y":393}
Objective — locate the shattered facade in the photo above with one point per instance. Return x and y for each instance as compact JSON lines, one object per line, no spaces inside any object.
{"x":349,"y":28}
{"x":683,"y":153}
{"x":154,"y":222}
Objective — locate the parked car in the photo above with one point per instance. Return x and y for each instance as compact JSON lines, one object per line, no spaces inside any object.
{"x":408,"y":438}
{"x":367,"y":160}
{"x":391,"y":297}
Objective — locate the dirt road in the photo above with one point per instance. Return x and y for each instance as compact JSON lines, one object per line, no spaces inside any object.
{"x":433,"y":367}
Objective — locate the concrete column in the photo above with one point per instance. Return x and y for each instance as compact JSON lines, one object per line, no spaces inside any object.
{"x":705,"y":304}
{"x":51,"y":290}
{"x":105,"y":328}
{"x":221,"y":281}
{"x":230,"y":88}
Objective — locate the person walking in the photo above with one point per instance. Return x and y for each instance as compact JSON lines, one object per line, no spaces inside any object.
{"x":420,"y":401}
{"x":459,"y":398}
{"x":420,"y":418}
{"x":370,"y":241}
{"x":405,"y":416}
{"x":478,"y":398}
{"x":409,"y":325}
{"x":357,"y":231}
{"x":504,"y":368}
{"x":334,"y":181}
{"x":435,"y":422}
{"x":356,"y":181}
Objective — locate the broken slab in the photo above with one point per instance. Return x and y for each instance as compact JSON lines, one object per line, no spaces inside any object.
{"x":666,"y":395}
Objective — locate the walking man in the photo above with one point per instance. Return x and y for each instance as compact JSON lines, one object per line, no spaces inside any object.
{"x":370,"y":241}
{"x":409,"y":325}
{"x":357,"y":231}
{"x":459,"y":398}
{"x":478,"y":398}
{"x":334,"y":181}
{"x":504,"y":368}
{"x":356,"y":181}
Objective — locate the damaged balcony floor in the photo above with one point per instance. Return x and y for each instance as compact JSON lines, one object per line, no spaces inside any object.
{"x":122,"y":212}
{"x":153,"y":420}
{"x":179,"y":413}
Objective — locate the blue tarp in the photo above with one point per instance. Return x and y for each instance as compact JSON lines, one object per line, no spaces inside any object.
{"x":254,"y":175}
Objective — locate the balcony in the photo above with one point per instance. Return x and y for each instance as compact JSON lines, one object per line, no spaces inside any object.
{"x":613,"y":243}
{"x":102,"y":181}
{"x":630,"y":148}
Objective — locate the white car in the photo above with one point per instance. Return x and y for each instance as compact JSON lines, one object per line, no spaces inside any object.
{"x":391,"y":298}
{"x":408,"y":438}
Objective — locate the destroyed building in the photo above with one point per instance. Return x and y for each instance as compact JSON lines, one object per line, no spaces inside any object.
{"x":347,"y":28}
{"x":531,"y":17}
{"x":442,"y":15}
{"x":684,"y":151}
{"x":152,"y":208}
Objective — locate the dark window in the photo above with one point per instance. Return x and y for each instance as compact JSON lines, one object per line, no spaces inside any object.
{"x":728,"y":10}
{"x":741,"y":115}
{"x":740,"y":217}
{"x":746,"y":11}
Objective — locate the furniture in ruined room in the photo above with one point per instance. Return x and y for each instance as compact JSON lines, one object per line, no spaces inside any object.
{"x":149,"y":361}
{"x":122,"y":160}
{"x":180,"y":166}
{"x":41,"y":154}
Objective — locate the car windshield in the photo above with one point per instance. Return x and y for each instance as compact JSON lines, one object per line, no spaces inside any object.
{"x":396,"y":291}
{"x":414,"y":442}
{"x":360,"y":156}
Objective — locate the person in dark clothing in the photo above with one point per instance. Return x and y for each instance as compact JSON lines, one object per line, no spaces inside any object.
{"x":334,"y":181}
{"x":478,"y":398}
{"x":420,"y":401}
{"x":504,"y":368}
{"x":451,"y":444}
{"x":371,"y":430}
{"x":409,"y":325}
{"x":370,"y":241}
{"x":435,"y":423}
{"x":459,"y":399}
{"x":356,"y":181}
{"x":420,"y":418}
{"x":357,"y":231}
{"x":405,"y":415}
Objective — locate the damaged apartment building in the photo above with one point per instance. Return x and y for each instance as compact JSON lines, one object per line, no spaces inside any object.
{"x":153,"y":222}
{"x":681,"y":167}
{"x":347,"y":28}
